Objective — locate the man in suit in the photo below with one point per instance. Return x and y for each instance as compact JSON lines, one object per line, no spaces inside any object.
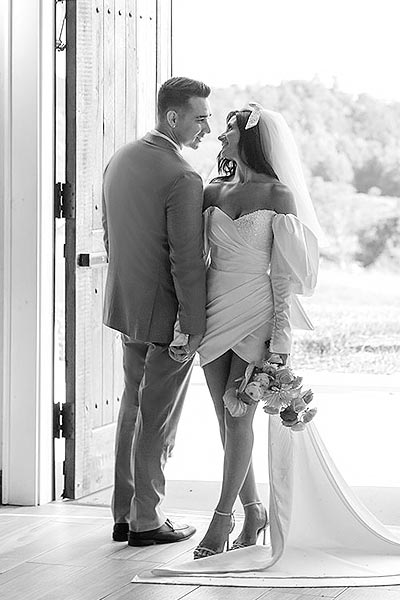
{"x":152,"y":219}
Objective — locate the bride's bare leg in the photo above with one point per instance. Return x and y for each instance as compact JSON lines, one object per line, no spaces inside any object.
{"x":217,"y":375}
{"x":238,"y":469}
{"x":237,"y":438}
{"x":256,"y":515}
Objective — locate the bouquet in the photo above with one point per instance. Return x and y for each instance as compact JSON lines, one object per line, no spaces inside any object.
{"x":278,"y":388}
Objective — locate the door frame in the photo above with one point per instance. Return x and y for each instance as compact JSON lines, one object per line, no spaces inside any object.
{"x":27,"y":270}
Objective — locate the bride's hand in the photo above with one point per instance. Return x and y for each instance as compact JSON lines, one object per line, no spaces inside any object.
{"x":282,"y":356}
{"x":179,"y":353}
{"x":186,"y":352}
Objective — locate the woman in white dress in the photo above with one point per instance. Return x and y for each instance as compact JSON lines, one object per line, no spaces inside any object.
{"x":248,"y":303}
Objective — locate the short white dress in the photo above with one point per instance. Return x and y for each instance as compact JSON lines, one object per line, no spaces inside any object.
{"x":257,"y":263}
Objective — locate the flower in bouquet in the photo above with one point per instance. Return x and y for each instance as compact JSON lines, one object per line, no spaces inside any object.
{"x":297,"y":414}
{"x":278,"y":388}
{"x":236,"y":400}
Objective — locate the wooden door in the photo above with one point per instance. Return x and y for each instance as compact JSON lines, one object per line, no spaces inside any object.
{"x":118,"y":52}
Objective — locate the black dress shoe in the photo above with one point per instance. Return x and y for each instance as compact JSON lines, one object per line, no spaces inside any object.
{"x":120,"y":532}
{"x":166,"y":534}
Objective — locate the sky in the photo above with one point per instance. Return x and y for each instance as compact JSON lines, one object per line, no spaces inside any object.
{"x":355,"y":43}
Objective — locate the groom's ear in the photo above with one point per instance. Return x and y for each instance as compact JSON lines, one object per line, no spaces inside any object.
{"x":172,"y":118}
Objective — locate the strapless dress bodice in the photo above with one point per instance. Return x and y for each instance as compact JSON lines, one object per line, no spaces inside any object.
{"x":240,"y":244}
{"x":256,"y":228}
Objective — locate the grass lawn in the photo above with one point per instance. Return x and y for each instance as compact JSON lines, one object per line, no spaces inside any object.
{"x":356,"y":315}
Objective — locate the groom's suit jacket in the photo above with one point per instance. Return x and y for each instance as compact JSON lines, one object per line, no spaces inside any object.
{"x":152,"y":220}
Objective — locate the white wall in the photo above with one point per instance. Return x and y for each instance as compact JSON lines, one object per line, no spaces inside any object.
{"x":4,"y":185}
{"x":26,"y":271}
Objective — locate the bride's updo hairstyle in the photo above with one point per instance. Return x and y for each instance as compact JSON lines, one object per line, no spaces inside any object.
{"x":250,"y":149}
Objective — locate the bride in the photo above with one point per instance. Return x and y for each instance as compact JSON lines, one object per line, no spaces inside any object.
{"x":262,"y":239}
{"x":247,"y":305}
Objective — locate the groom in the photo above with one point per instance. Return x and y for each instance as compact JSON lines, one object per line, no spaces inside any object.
{"x":152,"y":219}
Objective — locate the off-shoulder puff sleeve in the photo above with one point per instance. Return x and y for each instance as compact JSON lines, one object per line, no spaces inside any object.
{"x":294,"y":270}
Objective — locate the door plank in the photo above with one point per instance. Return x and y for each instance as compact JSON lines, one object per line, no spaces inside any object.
{"x":130,"y":71}
{"x":96,"y":345}
{"x":109,"y":81}
{"x":70,"y":240}
{"x":109,"y":146}
{"x":101,"y":21}
{"x":146,"y":23}
{"x":98,"y":22}
{"x":120,"y":74}
{"x":118,"y":384}
{"x":164,"y":40}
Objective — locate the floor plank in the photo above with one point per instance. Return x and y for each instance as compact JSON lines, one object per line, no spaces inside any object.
{"x":140,"y":591}
{"x":65,"y":552}
{"x":286,"y":594}
{"x":303,"y":594}
{"x":321,"y":592}
{"x":372,"y":593}
{"x":83,"y":550}
{"x":37,"y":538}
{"x":31,"y":582}
{"x":220,"y":593}
{"x":95,"y":582}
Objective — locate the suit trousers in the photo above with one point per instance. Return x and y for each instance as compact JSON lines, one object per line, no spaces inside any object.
{"x":151,"y":405}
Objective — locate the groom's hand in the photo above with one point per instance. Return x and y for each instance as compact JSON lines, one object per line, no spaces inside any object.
{"x":186,"y":352}
{"x":178,"y":353}
{"x":194,"y":342}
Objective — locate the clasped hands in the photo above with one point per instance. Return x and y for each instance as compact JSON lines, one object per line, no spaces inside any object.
{"x":184,"y":353}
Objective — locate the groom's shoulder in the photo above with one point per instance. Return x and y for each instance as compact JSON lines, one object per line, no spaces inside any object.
{"x":158,"y":155}
{"x":179,"y":168}
{"x":212,"y":193}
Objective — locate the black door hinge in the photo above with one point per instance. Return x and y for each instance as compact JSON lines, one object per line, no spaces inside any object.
{"x":64,"y":201}
{"x":63,"y":420}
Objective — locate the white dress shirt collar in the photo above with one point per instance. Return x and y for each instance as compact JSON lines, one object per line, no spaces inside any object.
{"x":156,"y":132}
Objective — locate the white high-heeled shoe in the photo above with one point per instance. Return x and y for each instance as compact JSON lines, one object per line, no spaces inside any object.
{"x":237,"y":544}
{"x":203,"y":551}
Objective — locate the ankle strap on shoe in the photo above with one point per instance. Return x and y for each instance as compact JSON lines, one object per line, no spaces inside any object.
{"x":251,"y":503}
{"x":222,"y":514}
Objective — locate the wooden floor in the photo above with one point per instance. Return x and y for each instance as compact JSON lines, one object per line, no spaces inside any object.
{"x":64,"y":551}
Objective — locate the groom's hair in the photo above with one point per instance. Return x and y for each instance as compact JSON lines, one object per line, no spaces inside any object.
{"x":176,"y":92}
